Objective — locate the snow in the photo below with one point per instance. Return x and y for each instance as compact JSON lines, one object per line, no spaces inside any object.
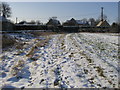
{"x":75,"y":60}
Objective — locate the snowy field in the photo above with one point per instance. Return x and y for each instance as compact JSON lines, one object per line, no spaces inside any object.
{"x":75,"y":60}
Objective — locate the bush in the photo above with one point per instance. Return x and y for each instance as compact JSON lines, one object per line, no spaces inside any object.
{"x":7,"y":40}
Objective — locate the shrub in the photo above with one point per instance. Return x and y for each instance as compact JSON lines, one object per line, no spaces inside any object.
{"x":7,"y":40}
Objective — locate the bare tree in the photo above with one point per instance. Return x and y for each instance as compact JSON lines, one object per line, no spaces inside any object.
{"x":53,"y":18}
{"x":104,"y":17}
{"x":32,"y":22}
{"x":38,"y":22}
{"x":84,"y":19}
{"x":92,"y":21}
{"x":97,"y":21}
{"x":5,"y":10}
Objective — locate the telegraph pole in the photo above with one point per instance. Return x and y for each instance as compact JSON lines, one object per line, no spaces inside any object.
{"x":101,"y":13}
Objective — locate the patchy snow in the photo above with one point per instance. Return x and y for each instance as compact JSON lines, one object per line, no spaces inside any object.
{"x":76,"y":60}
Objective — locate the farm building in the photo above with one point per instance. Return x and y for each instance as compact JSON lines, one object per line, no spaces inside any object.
{"x":6,"y":24}
{"x":53,"y":22}
{"x":73,"y":25}
{"x":103,"y":24}
{"x":78,"y":23}
{"x":71,"y":22}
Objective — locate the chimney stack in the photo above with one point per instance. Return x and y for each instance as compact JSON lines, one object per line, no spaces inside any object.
{"x":101,"y":13}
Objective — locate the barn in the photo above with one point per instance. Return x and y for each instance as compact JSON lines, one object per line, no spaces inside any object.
{"x":103,"y":26}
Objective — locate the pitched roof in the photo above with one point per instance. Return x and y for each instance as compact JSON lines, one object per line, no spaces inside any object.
{"x":22,"y":22}
{"x":103,"y":24}
{"x":77,"y":21}
{"x":53,"y":22}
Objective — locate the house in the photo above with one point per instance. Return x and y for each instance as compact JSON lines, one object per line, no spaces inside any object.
{"x":103,"y":24}
{"x":76,"y":23}
{"x":53,"y":22}
{"x":6,"y":24}
{"x":71,"y":22}
{"x":82,"y":23}
{"x":73,"y":25}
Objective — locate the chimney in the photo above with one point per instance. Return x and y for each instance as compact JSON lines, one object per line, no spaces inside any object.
{"x":101,"y":13}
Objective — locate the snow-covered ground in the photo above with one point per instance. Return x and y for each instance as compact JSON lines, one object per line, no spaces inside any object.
{"x":75,"y":60}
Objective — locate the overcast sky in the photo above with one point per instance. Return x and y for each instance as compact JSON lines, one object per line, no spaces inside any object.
{"x":63,"y":10}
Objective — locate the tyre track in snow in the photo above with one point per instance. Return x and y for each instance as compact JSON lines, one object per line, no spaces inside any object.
{"x":112,"y":82}
{"x":90,"y":75}
{"x":104,"y":55}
